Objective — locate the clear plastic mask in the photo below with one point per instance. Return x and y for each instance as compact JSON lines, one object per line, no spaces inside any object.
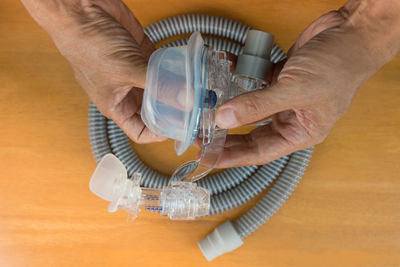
{"x":184,"y":87}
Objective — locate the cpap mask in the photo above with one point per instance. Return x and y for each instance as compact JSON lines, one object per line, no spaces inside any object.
{"x":184,"y":87}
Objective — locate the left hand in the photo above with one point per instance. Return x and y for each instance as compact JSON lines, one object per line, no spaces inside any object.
{"x":108,"y":52}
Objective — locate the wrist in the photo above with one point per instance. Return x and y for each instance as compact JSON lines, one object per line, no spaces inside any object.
{"x":52,"y":15}
{"x":376,"y":24}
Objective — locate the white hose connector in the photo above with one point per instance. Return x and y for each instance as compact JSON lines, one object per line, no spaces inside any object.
{"x":223,"y":239}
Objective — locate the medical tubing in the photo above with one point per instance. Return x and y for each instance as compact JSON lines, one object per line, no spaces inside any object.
{"x":232,"y":187}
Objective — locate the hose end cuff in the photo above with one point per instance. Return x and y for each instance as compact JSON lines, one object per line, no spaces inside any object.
{"x":223,"y":239}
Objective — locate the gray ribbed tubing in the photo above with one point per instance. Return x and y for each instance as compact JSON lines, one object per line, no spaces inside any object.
{"x":234,"y":186}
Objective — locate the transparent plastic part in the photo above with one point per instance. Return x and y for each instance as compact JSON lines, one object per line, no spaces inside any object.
{"x":216,"y":82}
{"x":174,"y":93}
{"x":179,"y":200}
{"x":184,"y":87}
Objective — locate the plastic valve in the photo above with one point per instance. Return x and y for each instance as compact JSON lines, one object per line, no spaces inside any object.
{"x":179,"y":200}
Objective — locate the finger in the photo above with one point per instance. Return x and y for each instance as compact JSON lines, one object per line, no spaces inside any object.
{"x":171,"y":90}
{"x":198,"y":142}
{"x":256,"y":123}
{"x":136,"y":130}
{"x":326,"y":21}
{"x":235,"y":139}
{"x":147,"y":136}
{"x":276,"y":71}
{"x":130,"y":22}
{"x":125,"y":112}
{"x":233,"y":59}
{"x":132,"y":48}
{"x":261,"y":146}
{"x":254,"y":106}
{"x":121,"y":13}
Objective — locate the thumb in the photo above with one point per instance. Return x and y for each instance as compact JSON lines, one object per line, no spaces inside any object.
{"x":253,"y":106}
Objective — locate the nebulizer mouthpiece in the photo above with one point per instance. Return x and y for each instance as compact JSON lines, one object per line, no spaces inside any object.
{"x":184,"y":87}
{"x":179,"y":200}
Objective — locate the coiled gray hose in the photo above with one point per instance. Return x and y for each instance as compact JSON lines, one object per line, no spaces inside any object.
{"x":234,"y":186}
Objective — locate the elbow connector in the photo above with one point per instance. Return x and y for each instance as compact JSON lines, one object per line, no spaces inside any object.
{"x":255,"y":62}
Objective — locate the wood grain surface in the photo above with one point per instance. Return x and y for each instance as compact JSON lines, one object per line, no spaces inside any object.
{"x":345,"y":212}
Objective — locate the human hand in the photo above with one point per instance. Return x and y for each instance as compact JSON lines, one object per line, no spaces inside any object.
{"x":108,"y":52}
{"x":326,"y":66}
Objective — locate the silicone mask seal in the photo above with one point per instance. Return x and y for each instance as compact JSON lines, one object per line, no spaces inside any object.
{"x":174,"y":94}
{"x":195,"y":51}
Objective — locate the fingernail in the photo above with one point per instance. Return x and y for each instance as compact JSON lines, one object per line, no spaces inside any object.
{"x":226,"y":118}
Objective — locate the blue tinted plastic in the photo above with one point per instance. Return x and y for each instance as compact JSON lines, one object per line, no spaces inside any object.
{"x":174,"y":93}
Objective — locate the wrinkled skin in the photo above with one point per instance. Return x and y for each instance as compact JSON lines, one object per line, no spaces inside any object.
{"x":329,"y":62}
{"x":108,"y":51}
{"x":325,"y":68}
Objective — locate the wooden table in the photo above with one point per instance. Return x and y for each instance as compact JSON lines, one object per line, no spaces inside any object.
{"x":345,"y":212}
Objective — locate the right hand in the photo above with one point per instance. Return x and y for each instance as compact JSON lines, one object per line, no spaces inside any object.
{"x":325,"y":68}
{"x":108,"y":52}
